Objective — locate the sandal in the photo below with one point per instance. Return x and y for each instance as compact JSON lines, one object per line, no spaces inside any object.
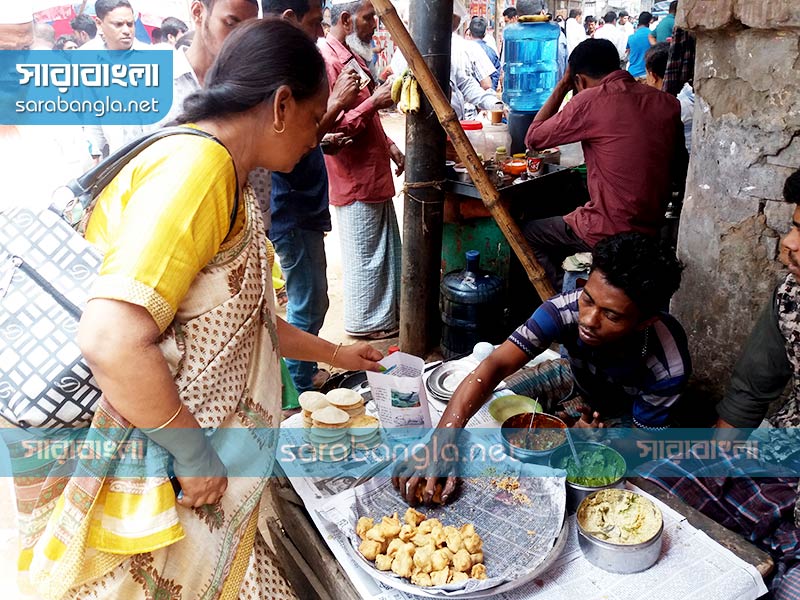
{"x":320,"y":378}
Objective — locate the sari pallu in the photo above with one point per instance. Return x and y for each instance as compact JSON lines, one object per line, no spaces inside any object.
{"x":87,"y":532}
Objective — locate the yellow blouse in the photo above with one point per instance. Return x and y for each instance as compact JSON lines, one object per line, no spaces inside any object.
{"x":161,"y":221}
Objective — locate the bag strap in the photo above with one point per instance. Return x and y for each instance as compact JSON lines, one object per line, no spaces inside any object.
{"x":88,"y":186}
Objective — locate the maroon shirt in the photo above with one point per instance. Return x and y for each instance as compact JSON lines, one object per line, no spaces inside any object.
{"x":628,"y":132}
{"x":360,"y":172}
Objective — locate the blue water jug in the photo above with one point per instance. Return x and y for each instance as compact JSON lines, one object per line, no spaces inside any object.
{"x":530,"y":66}
{"x":471,"y":302}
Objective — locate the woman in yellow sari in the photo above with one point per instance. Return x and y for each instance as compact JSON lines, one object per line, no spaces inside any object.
{"x":181,"y":336}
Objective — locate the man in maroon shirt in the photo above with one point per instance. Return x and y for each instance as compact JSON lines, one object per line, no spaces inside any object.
{"x":632,"y":141}
{"x":361,"y":186}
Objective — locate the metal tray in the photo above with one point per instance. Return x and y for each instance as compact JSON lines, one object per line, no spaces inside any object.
{"x":445,"y":378}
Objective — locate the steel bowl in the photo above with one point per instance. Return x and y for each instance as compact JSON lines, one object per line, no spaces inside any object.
{"x":619,"y":558}
{"x":576,"y":492}
{"x":522,"y":421}
{"x":462,"y":174}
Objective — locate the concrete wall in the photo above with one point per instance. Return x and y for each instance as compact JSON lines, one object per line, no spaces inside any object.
{"x":745,"y":144}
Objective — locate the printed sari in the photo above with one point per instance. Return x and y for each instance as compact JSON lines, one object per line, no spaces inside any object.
{"x":88,"y":532}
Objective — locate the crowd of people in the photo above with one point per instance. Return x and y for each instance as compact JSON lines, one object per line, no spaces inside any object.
{"x":183,"y":306}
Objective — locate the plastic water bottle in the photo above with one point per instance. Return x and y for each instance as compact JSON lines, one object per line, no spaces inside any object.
{"x":472,"y":309}
{"x":530,"y":66}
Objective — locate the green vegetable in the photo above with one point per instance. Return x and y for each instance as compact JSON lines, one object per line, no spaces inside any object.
{"x":598,"y":468}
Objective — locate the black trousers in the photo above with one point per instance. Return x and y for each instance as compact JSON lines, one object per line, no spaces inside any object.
{"x":552,"y":240}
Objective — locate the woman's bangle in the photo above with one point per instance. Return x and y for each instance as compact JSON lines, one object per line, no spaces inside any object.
{"x":335,"y":352}
{"x":170,"y":420}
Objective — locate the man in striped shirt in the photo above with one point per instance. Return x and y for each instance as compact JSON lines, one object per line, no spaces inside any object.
{"x":626,"y":359}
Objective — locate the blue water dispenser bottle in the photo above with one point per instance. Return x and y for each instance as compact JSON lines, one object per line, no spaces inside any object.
{"x":530,"y":51}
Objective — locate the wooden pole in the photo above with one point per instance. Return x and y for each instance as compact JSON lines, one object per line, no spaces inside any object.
{"x":447,"y":117}
{"x":423,"y":212}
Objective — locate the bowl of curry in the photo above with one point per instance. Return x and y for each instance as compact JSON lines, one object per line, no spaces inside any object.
{"x":530,"y":437}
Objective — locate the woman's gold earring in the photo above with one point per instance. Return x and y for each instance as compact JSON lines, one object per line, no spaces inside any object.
{"x":281,"y":130}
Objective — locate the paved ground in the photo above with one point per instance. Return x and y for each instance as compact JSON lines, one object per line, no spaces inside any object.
{"x":333,"y":330}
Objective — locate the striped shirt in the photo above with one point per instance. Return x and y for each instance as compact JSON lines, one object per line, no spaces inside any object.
{"x":643,"y":375}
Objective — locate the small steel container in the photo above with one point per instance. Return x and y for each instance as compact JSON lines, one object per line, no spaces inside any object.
{"x":462,"y":174}
{"x":575,"y":492}
{"x":521,"y":422}
{"x":620,"y":558}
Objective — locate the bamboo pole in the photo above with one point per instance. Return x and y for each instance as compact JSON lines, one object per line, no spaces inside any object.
{"x":449,"y":120}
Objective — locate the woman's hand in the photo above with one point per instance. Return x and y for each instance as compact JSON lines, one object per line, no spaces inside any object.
{"x":588,"y":419}
{"x":120,"y":342}
{"x":358,"y":357}
{"x":197,"y":491}
{"x":195,"y":462}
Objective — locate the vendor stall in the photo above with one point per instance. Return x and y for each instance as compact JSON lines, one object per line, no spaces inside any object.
{"x":468,"y":225}
{"x":697,"y":557}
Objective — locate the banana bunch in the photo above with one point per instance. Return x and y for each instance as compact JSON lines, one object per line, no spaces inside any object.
{"x":405,"y":93}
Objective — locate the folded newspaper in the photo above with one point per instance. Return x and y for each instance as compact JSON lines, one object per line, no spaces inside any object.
{"x":517,"y":510}
{"x":399,"y":392}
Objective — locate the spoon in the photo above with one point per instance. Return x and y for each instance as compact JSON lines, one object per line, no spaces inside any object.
{"x":530,"y":427}
{"x":572,"y":447}
{"x":604,"y":531}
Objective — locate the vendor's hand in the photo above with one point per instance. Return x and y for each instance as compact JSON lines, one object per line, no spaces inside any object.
{"x":589,"y":419}
{"x":398,"y":158}
{"x":358,"y":357}
{"x":344,"y":91}
{"x":426,"y":478}
{"x":382,"y":96}
{"x":333,"y":143}
{"x":582,"y":417}
{"x":197,"y":491}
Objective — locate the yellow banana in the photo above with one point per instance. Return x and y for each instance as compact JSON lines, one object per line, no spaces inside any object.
{"x":405,"y":96}
{"x":397,"y":86}
{"x":413,"y":94}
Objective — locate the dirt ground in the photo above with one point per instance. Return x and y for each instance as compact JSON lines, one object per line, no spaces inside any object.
{"x":333,"y":330}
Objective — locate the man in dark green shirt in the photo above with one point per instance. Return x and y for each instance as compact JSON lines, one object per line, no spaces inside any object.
{"x":739,"y":490}
{"x":772,"y":354}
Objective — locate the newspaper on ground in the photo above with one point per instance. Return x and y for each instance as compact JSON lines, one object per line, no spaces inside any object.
{"x":399,"y":392}
{"x":518,"y":514}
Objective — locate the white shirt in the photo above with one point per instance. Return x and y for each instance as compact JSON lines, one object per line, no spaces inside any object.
{"x":471,"y":57}
{"x":490,"y":41}
{"x":575,"y":34}
{"x":36,"y":160}
{"x":627,"y":29}
{"x":686,"y":98}
{"x":613,"y":35}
